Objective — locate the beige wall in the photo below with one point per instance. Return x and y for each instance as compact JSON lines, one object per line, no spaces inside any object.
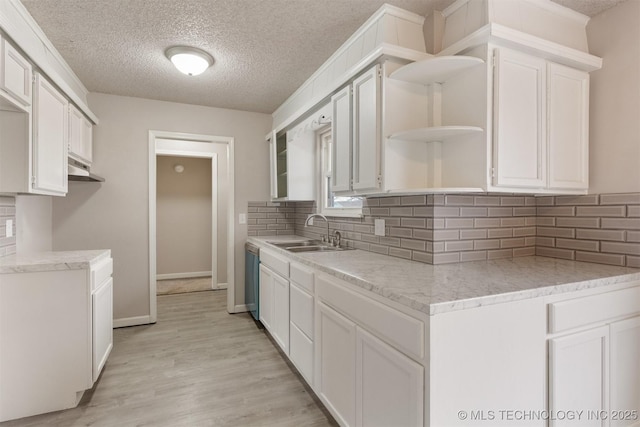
{"x":115,"y":214}
{"x":33,"y":223}
{"x":614,"y":147}
{"x":183,"y":216}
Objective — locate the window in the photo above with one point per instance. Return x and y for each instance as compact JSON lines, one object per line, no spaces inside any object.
{"x":329,"y":203}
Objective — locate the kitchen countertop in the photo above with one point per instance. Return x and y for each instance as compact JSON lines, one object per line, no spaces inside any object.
{"x":51,"y":261}
{"x":435,"y":289}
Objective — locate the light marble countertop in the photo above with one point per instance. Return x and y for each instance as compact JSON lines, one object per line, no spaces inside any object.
{"x":435,"y":289}
{"x":51,"y":261}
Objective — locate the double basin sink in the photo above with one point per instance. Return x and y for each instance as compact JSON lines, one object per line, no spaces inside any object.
{"x":308,"y":246}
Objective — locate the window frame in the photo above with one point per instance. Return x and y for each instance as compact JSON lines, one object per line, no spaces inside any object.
{"x":324,"y":138}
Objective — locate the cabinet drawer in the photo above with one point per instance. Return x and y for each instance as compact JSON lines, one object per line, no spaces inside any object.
{"x":301,"y":304}
{"x":398,"y":329}
{"x":302,"y":277}
{"x":578,"y":312}
{"x":301,"y":353}
{"x":275,"y":262}
{"x":101,"y":272}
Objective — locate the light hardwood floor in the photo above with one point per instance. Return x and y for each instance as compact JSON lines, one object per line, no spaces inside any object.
{"x":179,"y":286}
{"x":198,"y":366}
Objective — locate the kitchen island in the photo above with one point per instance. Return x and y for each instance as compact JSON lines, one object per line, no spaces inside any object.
{"x":56,"y":329}
{"x":464,"y":344}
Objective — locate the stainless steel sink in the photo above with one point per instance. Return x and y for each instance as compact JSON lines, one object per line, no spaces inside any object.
{"x":308,"y":246}
{"x":296,"y":244}
{"x":317,"y":248}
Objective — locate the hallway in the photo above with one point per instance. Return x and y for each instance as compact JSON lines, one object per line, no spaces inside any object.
{"x":198,"y":366}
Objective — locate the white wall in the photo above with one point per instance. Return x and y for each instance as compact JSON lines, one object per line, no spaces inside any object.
{"x":115,"y":214}
{"x":183,"y":217}
{"x":614,"y":147}
{"x":33,"y":224}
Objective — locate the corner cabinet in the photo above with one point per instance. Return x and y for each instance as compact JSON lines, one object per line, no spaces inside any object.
{"x":356,"y":134}
{"x":50,"y":135}
{"x":541,"y":122}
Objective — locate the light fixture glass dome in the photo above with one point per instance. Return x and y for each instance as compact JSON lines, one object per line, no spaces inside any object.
{"x":189,"y":60}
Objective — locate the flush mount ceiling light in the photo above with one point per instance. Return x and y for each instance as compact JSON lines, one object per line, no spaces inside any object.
{"x":189,"y":60}
{"x":178,"y":168}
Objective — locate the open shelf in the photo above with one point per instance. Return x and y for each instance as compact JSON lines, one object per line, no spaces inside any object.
{"x":435,"y":70}
{"x":435,"y":133}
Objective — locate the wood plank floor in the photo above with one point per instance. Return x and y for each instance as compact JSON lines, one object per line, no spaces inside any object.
{"x":198,"y":366}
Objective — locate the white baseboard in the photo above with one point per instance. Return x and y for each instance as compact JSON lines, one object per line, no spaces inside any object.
{"x":222,"y":286}
{"x":188,"y":275}
{"x":240,"y":308}
{"x":131,"y":321}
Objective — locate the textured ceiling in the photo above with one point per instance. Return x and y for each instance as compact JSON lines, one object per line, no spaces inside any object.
{"x":263,"y":49}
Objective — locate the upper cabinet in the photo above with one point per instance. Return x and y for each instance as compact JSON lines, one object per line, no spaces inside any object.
{"x":50,"y":133}
{"x":80,"y":136}
{"x":356,"y":125}
{"x":15,"y":74}
{"x":541,"y":123}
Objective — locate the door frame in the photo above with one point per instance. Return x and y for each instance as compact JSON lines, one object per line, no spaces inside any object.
{"x":193,"y":145}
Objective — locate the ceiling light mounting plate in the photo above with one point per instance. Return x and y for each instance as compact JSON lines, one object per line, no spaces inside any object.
{"x":189,"y":60}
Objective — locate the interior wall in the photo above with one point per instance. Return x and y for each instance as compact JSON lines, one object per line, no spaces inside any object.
{"x":614,"y":147}
{"x":34,"y":228}
{"x":183,"y":216}
{"x":115,"y":214}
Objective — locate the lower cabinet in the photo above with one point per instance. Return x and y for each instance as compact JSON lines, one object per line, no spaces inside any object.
{"x":597,"y":369}
{"x":389,"y":385}
{"x":336,"y":385}
{"x":55,"y":337}
{"x":274,"y":306}
{"x":362,"y":380}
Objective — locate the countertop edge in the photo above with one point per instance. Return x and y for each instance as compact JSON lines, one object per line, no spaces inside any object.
{"x":52,"y":261}
{"x":450,"y":306}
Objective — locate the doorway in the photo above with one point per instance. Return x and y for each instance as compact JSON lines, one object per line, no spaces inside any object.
{"x":219,"y":152}
{"x":184,"y":224}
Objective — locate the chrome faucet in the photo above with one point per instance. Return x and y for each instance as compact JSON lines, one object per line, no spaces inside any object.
{"x":306,"y":223}
{"x":337,"y":239}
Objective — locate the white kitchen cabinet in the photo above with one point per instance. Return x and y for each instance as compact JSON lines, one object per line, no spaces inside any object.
{"x":15,"y":74}
{"x":274,"y":297}
{"x":266,"y":297}
{"x":389,"y":385}
{"x":578,"y":373}
{"x":280,"y":325}
{"x":55,"y":336}
{"x":50,"y":138}
{"x":568,"y":127}
{"x":301,"y":317}
{"x":80,"y":136}
{"x":336,"y":364}
{"x":624,"y":358}
{"x":520,"y":116}
{"x":341,"y":137}
{"x":541,"y":123}
{"x":102,"y":318}
{"x":356,"y":134}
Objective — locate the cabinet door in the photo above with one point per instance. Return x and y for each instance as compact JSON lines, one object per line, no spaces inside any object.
{"x":625,"y":370}
{"x":341,"y":140}
{"x":336,"y":363}
{"x":49,"y":139}
{"x":389,"y":385}
{"x":366,"y":130}
{"x":87,"y":140}
{"x":266,"y":297}
{"x":281,"y":312}
{"x":15,"y":74}
{"x":301,"y":353}
{"x":273,"y":167}
{"x":568,"y":112}
{"x":75,"y":133}
{"x":281,"y":180}
{"x":102,"y":326}
{"x":520,"y":120}
{"x":578,"y":374}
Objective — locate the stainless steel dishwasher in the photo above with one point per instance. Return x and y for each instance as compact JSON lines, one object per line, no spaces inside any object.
{"x":252,"y":279}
